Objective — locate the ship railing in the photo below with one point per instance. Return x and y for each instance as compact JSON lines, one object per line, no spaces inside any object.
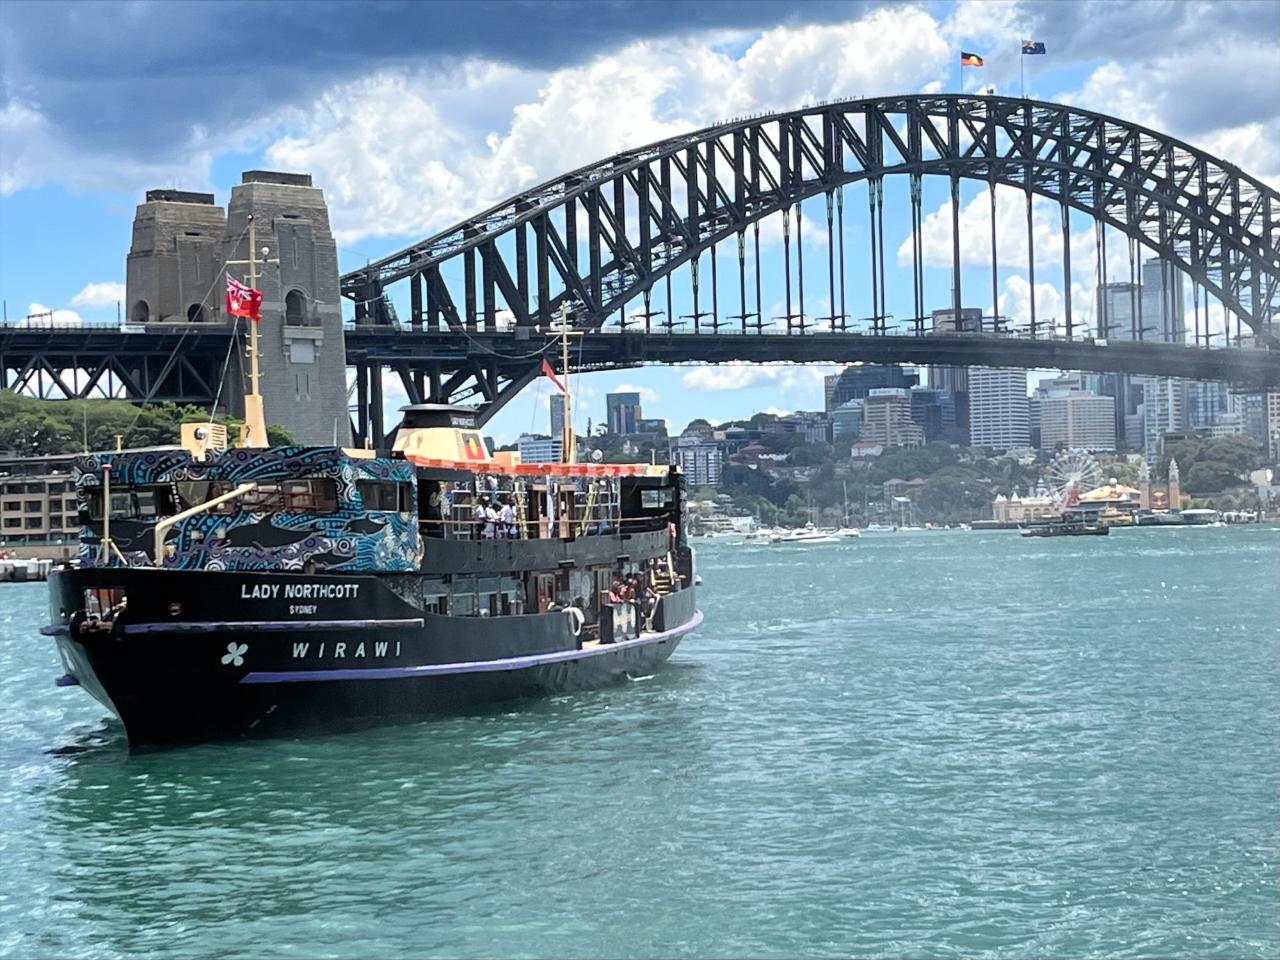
{"x":543,"y":528}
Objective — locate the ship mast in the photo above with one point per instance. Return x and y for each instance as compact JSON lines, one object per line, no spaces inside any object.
{"x":568,"y":439}
{"x":254,"y":431}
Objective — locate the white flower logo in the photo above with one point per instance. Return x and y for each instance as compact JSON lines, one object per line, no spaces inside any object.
{"x":235,"y":654}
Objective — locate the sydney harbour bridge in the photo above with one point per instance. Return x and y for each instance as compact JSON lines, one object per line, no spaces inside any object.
{"x":634,"y":249}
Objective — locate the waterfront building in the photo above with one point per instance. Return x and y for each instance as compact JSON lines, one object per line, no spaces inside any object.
{"x":700,"y":461}
{"x":998,"y":413}
{"x":1156,"y":496}
{"x":857,"y":381}
{"x":886,"y":419}
{"x":623,"y":411}
{"x":37,"y":501}
{"x":1016,"y":509}
{"x":536,"y":449}
{"x":1078,"y":421}
{"x":846,"y":420}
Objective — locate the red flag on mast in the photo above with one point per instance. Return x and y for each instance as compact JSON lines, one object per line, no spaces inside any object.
{"x":550,"y":374}
{"x":243,"y":301}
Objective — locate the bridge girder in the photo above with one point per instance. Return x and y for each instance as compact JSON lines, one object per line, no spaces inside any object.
{"x":1200,"y":214}
{"x":649,"y":211}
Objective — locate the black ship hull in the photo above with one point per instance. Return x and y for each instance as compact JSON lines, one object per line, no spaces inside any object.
{"x":201,"y":655}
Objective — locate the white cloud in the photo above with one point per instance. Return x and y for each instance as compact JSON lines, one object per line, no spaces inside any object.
{"x":395,"y":155}
{"x":38,"y":315}
{"x":1230,"y":113}
{"x":100,"y":294}
{"x":1015,"y":302}
{"x":740,"y":376}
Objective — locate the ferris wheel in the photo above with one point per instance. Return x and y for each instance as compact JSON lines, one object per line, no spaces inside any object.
{"x":1071,"y":473}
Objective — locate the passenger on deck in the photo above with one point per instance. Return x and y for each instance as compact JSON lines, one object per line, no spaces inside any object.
{"x":486,"y":517}
{"x":507,"y":517}
{"x":615,"y":591}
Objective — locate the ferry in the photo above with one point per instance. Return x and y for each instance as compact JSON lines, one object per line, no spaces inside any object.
{"x":1064,"y":527}
{"x":253,"y":590}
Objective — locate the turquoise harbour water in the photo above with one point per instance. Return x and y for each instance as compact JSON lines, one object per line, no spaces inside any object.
{"x":921,"y":744}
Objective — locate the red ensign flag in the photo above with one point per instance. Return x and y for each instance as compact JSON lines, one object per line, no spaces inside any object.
{"x":551,"y":375}
{"x":243,"y":301}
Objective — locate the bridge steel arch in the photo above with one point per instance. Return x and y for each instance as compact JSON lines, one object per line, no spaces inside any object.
{"x":602,"y":236}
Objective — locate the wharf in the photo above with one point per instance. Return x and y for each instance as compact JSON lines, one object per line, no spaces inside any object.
{"x":24,"y":571}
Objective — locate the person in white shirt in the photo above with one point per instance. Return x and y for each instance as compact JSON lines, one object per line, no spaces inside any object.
{"x":507,"y":517}
{"x":490,"y":521}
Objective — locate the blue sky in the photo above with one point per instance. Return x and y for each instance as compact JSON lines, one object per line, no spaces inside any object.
{"x":413,"y":116}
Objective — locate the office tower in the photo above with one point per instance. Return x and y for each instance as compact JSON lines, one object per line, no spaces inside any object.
{"x":856,"y":382}
{"x":846,"y":420}
{"x":1165,"y":401}
{"x":998,"y":413}
{"x":955,"y":380}
{"x":623,"y":411}
{"x":886,"y":418}
{"x":557,"y":415}
{"x":1163,"y":309}
{"x":1077,"y":421}
{"x":934,"y":410}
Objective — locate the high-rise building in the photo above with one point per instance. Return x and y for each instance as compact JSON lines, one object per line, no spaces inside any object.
{"x":998,"y":414}
{"x":540,"y":449}
{"x":1165,"y":401}
{"x":623,"y":412}
{"x":1271,"y":404}
{"x":1164,"y":314}
{"x":934,"y":410}
{"x":557,"y":415}
{"x":1118,"y":310}
{"x":846,"y":420}
{"x":1210,"y":401}
{"x":699,"y":461}
{"x":1078,"y":421}
{"x":955,"y":380}
{"x":886,"y":418}
{"x":857,"y":381}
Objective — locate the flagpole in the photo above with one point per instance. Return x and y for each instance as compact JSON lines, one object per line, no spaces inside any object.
{"x":1022,"y":73}
{"x":254,"y":418}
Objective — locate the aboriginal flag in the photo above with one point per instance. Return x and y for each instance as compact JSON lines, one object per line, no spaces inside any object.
{"x":970,"y":60}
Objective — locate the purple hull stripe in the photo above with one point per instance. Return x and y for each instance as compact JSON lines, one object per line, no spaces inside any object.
{"x":56,"y":630}
{"x":474,"y":666}
{"x":268,"y":626}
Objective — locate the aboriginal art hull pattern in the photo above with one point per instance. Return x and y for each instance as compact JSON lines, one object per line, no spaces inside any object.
{"x":349,"y":539}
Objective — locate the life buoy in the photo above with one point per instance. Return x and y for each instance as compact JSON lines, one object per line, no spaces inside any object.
{"x":576,"y":620}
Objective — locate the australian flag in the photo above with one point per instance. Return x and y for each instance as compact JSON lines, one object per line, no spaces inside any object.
{"x":1030,"y":47}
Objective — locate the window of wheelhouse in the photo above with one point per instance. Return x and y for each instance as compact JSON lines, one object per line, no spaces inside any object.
{"x":145,"y":503}
{"x":386,"y":495}
{"x":297,"y":495}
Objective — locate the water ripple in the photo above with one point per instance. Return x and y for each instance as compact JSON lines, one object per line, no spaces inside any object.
{"x":917,"y":745}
